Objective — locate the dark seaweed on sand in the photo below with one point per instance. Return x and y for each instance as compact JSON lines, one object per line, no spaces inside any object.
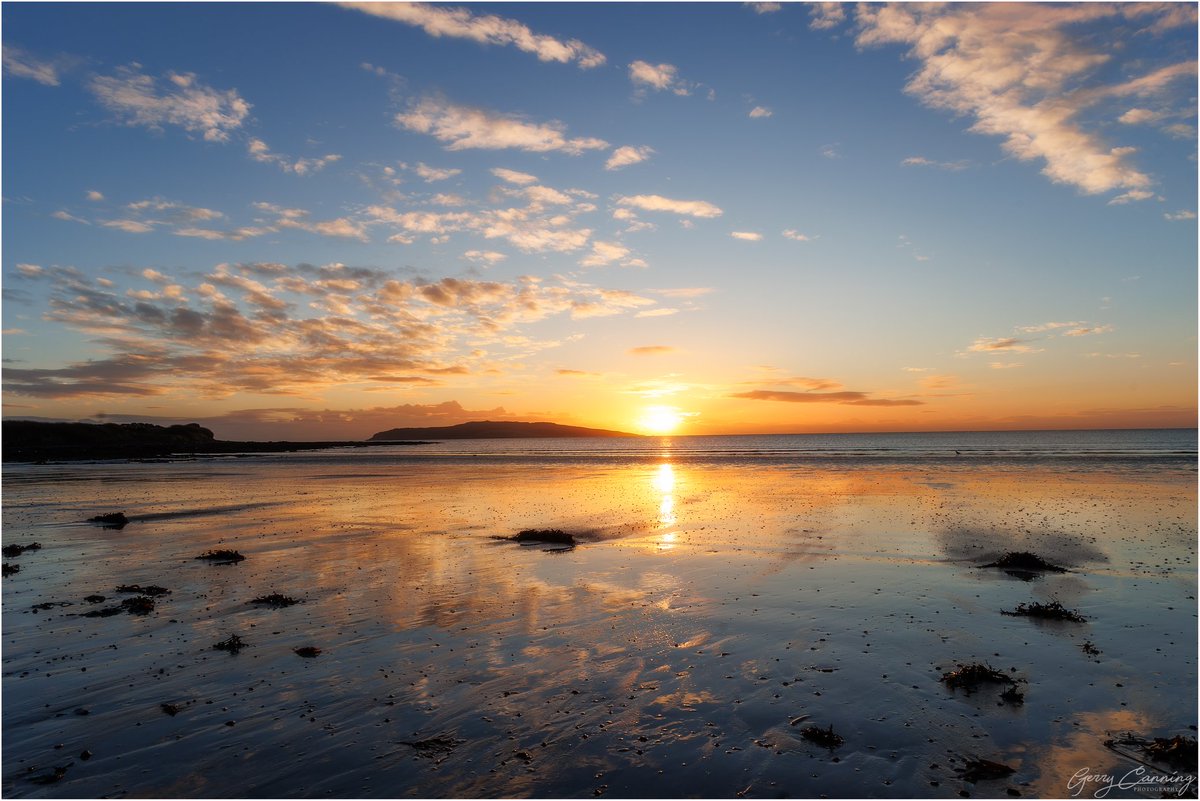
{"x":307,"y":651}
{"x":969,"y":677}
{"x":1051,"y":611}
{"x":544,"y":535}
{"x":1178,"y":752}
{"x":222,"y":556}
{"x":434,"y":747}
{"x":138,"y":605}
{"x":153,"y":590}
{"x":978,"y":770}
{"x":232,"y":645}
{"x":1013,"y":696}
{"x":170,"y":709}
{"x":1025,"y":561}
{"x":116,"y":520}
{"x":8,"y":569}
{"x":17,"y":550}
{"x":274,"y":600}
{"x":51,"y":776}
{"x":826,"y":738}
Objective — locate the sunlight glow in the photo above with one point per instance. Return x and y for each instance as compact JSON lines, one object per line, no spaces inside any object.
{"x":660,"y":419}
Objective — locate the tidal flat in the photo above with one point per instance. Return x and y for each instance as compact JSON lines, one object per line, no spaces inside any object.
{"x":748,"y":629}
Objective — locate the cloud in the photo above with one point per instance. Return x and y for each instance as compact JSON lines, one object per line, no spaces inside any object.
{"x":844,"y":398}
{"x":764,"y":8}
{"x":576,"y":373}
{"x":991,"y":345}
{"x":624,"y":156}
{"x":432,"y":174}
{"x":273,"y":329}
{"x":826,"y":15}
{"x":921,"y":161}
{"x":340,"y":227}
{"x":1023,"y":73}
{"x":1005,"y":365}
{"x":1182,"y":214}
{"x":94,"y":196}
{"x":1088,"y":331}
{"x":650,"y":350}
{"x":748,"y":236}
{"x":796,"y":236}
{"x":1131,"y":196}
{"x":831,"y":151}
{"x":63,"y":214}
{"x":1140,"y":116}
{"x":460,"y":23}
{"x":180,"y":100}
{"x":1041,"y":327}
{"x":604,"y":253}
{"x":692,"y":208}
{"x":259,"y":151}
{"x":21,"y":64}
{"x":664,"y":312}
{"x":686,"y":292}
{"x":465,"y":128}
{"x":760,"y":112}
{"x":488,"y":257}
{"x":514,"y":177}
{"x":658,"y":77}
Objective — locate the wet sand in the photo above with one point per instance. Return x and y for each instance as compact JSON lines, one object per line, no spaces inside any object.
{"x":709,"y":614}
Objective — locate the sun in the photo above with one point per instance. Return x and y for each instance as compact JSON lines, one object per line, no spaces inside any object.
{"x":660,"y":419}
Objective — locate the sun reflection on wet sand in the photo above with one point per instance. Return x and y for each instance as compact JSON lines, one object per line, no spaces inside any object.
{"x":704,"y":608}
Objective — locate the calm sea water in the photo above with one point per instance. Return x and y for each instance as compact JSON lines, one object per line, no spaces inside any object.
{"x":1175,"y":447}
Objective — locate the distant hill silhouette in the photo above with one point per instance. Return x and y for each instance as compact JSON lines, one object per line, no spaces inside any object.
{"x":35,"y":441}
{"x":489,"y":429}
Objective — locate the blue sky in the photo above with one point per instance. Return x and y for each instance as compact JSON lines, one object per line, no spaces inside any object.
{"x":323,"y":220}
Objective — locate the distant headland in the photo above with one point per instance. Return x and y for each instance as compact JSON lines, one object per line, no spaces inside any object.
{"x":36,"y":441}
{"x":489,"y":429}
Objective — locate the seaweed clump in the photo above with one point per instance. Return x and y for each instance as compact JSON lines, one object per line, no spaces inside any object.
{"x":7,"y":569}
{"x":152,"y":590}
{"x":16,"y":550}
{"x":971,"y":677}
{"x":116,"y":520}
{"x":1179,"y":752}
{"x":222,"y":556}
{"x":138,"y":605}
{"x":545,"y":535}
{"x":978,"y":770}
{"x":1051,"y":611}
{"x":435,"y":748}
{"x":308,"y":651}
{"x":826,"y":738}
{"x":275,"y":600}
{"x":1024,"y":560}
{"x":232,"y":645}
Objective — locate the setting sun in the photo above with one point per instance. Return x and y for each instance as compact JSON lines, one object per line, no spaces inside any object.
{"x":660,"y":419}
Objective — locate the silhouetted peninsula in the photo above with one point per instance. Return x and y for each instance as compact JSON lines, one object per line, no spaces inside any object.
{"x":489,"y":429}
{"x":36,"y":441}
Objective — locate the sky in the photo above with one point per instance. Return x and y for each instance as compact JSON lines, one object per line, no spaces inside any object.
{"x":320,"y":221}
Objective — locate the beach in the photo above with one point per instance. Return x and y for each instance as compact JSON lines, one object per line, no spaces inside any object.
{"x":719,"y":603}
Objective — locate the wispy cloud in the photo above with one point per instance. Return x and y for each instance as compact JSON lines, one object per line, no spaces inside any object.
{"x":921,"y":161}
{"x":760,"y":112}
{"x":659,"y":77}
{"x":259,"y":151}
{"x":1005,"y":365}
{"x":651,"y":350}
{"x":844,"y":398}
{"x":764,"y":7}
{"x":993,"y":345}
{"x":514,"y":177}
{"x":487,"y":257}
{"x":690,"y":208}
{"x":432,"y":174}
{"x":826,"y":15}
{"x":1182,"y":214}
{"x":1021,"y":73}
{"x":747,"y":236}
{"x":179,"y":99}
{"x":21,"y":64}
{"x":796,"y":236}
{"x":624,"y":156}
{"x":1088,"y":330}
{"x":461,"y":23}
{"x":465,"y":128}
